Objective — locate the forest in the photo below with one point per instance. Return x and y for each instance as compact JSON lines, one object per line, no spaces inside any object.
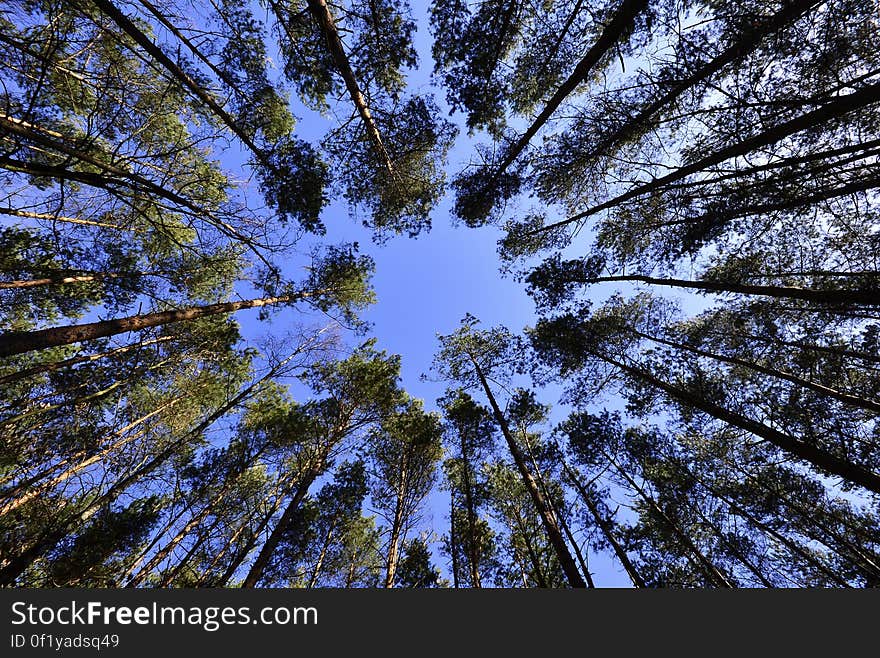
{"x":197,"y":196}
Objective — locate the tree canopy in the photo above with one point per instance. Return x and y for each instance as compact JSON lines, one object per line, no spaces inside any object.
{"x":192,"y":393}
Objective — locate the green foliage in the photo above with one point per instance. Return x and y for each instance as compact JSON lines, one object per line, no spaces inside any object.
{"x":415,"y":569}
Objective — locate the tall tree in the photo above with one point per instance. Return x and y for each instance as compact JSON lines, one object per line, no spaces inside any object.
{"x":470,"y":357}
{"x":404,"y":450}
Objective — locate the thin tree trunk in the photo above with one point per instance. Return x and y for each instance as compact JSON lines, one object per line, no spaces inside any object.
{"x":734,"y":550}
{"x":313,"y":580}
{"x":27,"y":485}
{"x":585,"y":569}
{"x":453,"y":540}
{"x":807,"y":347}
{"x":85,"y":463}
{"x":34,"y":492}
{"x":539,"y":477}
{"x":868,"y":297}
{"x":127,"y":26}
{"x":20,"y":563}
{"x":613,"y":32}
{"x":259,"y":566}
{"x":76,"y":360}
{"x":766,"y":207}
{"x":166,"y":550}
{"x":473,"y":557}
{"x":747,"y":43}
{"x":605,"y":526}
{"x":40,"y":410}
{"x":62,"y":143}
{"x":818,"y":457}
{"x":321,"y":13}
{"x":132,"y":579}
{"x":701,"y":561}
{"x":540,"y":579}
{"x":767,"y":530}
{"x":846,"y":398}
{"x":551,"y":526}
{"x":243,"y":552}
{"x":840,"y":106}
{"x":820,"y":531}
{"x":21,"y":284}
{"x":57,"y":218}
{"x":128,"y":181}
{"x":396,"y":527}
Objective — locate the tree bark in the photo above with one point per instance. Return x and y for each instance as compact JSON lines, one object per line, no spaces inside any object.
{"x":127,"y":26}
{"x":396,"y":526}
{"x":18,"y":564}
{"x":321,"y":13}
{"x":19,"y":342}
{"x":605,"y":526}
{"x":867,"y":297}
{"x":453,"y":540}
{"x":258,"y":568}
{"x":767,"y":530}
{"x":701,"y":561}
{"x":846,"y":398}
{"x":817,"y":457}
{"x":612,"y":33}
{"x":14,"y":212}
{"x":551,"y":527}
{"x":840,"y":106}
{"x":313,"y":580}
{"x":76,"y":360}
{"x":473,"y":555}
{"x":747,"y":43}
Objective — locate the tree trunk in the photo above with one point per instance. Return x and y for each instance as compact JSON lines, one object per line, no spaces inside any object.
{"x":313,"y":580}
{"x":747,"y":43}
{"x":767,"y":207}
{"x":540,"y":579}
{"x":395,"y":539}
{"x":259,"y":566}
{"x":19,"y":563}
{"x":321,"y":13}
{"x":126,"y":576}
{"x":22,"y":284}
{"x":76,"y":360}
{"x":473,"y":554}
{"x":127,"y":26}
{"x":868,"y":297}
{"x":605,"y":526}
{"x":767,"y":530}
{"x":818,"y":457}
{"x":243,"y":552}
{"x":453,"y":540}
{"x":734,"y":550}
{"x":33,"y":492}
{"x":551,"y":527}
{"x":700,"y":561}
{"x":807,"y":347}
{"x":846,"y":398}
{"x":613,"y":32}
{"x":19,"y":342}
{"x":838,"y":107}
{"x":582,"y":561}
{"x":130,"y":182}
{"x":166,"y":550}
{"x":15,"y":212}
{"x":560,"y":519}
